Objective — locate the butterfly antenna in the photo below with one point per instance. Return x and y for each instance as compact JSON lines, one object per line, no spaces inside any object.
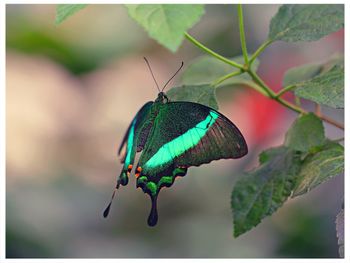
{"x":150,"y":69}
{"x":106,"y":212}
{"x":182,"y":63}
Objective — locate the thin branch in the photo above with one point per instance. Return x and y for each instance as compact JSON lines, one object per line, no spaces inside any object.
{"x":259,"y":50}
{"x":242,"y":35}
{"x":284,"y":90}
{"x":318,"y":110}
{"x":223,"y":78}
{"x":331,"y":121}
{"x":212,"y":53}
{"x":261,"y":83}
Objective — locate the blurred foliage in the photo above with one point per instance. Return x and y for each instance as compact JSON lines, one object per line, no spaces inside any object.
{"x":78,"y":51}
{"x":21,"y":245}
{"x":301,"y":238}
{"x":26,"y":37}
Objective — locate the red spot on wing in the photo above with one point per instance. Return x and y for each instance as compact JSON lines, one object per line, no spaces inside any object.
{"x":138,"y":171}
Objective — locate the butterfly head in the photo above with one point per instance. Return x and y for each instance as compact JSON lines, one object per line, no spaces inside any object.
{"x":162,"y":98}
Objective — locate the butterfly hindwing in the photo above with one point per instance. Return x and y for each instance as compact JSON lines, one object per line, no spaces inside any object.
{"x":134,"y":140}
{"x":184,"y":134}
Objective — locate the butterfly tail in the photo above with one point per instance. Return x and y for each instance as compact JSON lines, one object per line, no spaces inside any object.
{"x":153,"y":216}
{"x":106,"y":211}
{"x":123,"y":180}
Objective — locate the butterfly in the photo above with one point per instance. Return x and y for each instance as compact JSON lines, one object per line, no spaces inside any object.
{"x":173,"y":136}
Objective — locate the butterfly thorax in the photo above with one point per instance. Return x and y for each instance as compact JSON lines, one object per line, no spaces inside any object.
{"x":158,"y":103}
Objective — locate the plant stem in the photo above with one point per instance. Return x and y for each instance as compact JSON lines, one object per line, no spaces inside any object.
{"x":223,"y":78}
{"x":318,"y":110}
{"x":242,"y":35}
{"x":338,"y":140}
{"x":290,"y":105}
{"x":255,"y":86}
{"x":248,"y":83}
{"x":261,"y":83}
{"x":331,"y":121}
{"x":212,"y":53}
{"x":259,"y":50}
{"x":284,"y":90}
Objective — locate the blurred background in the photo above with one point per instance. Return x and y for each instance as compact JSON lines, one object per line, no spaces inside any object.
{"x":71,"y":93}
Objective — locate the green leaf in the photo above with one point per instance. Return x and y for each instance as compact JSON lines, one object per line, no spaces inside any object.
{"x":339,"y":224}
{"x":207,"y":69}
{"x":64,"y":11}
{"x":301,"y":73}
{"x":166,"y":23}
{"x":326,"y":89}
{"x":260,"y":192}
{"x":306,"y":22}
{"x":269,"y":154}
{"x":306,"y":133}
{"x":335,"y":60}
{"x":203,"y":94}
{"x":320,"y":167}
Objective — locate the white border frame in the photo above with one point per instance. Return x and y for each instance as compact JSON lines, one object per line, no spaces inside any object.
{"x":3,"y":133}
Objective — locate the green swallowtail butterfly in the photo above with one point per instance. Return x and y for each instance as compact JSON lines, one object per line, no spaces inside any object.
{"x":172,"y":137}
